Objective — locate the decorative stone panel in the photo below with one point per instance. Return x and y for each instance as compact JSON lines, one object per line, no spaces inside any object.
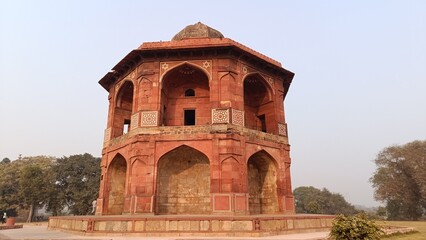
{"x":107,"y":134}
{"x":205,"y":64}
{"x":149,"y":118}
{"x":220,"y":116}
{"x":282,"y":129}
{"x":238,"y":117}
{"x":134,"y":121}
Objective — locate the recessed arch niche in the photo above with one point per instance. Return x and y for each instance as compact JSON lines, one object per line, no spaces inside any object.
{"x":123,"y":109}
{"x":183,"y":182}
{"x":116,"y":185}
{"x":258,"y":105}
{"x":177,"y":104}
{"x":262,"y":184}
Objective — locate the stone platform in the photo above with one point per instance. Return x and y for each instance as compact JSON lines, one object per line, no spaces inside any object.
{"x":6,"y":227}
{"x":192,"y":225}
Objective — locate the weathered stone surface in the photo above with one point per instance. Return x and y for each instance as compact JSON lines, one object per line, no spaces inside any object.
{"x":184,"y":182}
{"x":100,"y":226}
{"x":155,"y":226}
{"x":236,"y":226}
{"x":139,"y":226}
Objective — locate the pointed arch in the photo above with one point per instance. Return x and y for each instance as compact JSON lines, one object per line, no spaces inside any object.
{"x":123,"y":108}
{"x":258,"y":103}
{"x":183,"y":182}
{"x":145,"y":92}
{"x":230,"y":175}
{"x":183,"y":64}
{"x":262,"y":183}
{"x":116,"y":185}
{"x":139,"y":172}
{"x":178,"y":109}
{"x":228,"y":86}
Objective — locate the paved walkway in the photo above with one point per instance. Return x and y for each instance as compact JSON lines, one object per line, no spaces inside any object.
{"x":34,"y":232}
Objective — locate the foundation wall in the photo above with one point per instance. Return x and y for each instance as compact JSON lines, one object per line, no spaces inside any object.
{"x":193,"y":225}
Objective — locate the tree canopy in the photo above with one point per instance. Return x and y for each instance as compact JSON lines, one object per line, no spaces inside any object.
{"x":76,"y":183}
{"x":400,"y":180}
{"x":316,"y":201}
{"x":70,"y":183}
{"x":23,"y":183}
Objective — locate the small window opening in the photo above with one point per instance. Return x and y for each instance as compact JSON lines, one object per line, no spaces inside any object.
{"x":126,"y":126}
{"x":189,"y":93}
{"x":262,"y":122}
{"x":189,"y":117}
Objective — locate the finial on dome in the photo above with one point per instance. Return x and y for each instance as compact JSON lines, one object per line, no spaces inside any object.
{"x":198,"y":30}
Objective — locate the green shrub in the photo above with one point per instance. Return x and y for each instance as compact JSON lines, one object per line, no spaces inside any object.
{"x":354,"y":227}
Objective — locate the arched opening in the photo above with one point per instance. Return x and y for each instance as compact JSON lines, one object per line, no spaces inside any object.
{"x":183,"y":182}
{"x":181,"y":106}
{"x":123,"y":110}
{"x":262,"y":182}
{"x":190,"y":93}
{"x":258,"y":106}
{"x":116,"y":185}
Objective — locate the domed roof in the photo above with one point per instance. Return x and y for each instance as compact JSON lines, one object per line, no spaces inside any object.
{"x":198,"y":30}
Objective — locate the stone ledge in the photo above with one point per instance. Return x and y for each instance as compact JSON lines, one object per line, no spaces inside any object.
{"x":190,"y":131}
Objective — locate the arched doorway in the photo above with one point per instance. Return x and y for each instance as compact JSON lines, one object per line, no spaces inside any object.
{"x":183,"y":182}
{"x":116,"y":185}
{"x":262,"y":182}
{"x":185,"y":93}
{"x":258,"y":106}
{"x":123,"y":109}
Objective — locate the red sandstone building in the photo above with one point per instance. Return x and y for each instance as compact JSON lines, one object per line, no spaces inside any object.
{"x":196,"y":125}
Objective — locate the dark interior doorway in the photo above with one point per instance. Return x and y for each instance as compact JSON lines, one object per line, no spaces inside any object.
{"x":189,"y":117}
{"x":262,"y":122}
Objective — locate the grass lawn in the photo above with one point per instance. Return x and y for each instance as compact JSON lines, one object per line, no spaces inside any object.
{"x":419,"y":225}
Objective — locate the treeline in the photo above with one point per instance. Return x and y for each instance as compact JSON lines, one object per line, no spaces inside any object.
{"x":66,"y":185}
{"x":315,"y":201}
{"x":399,"y":182}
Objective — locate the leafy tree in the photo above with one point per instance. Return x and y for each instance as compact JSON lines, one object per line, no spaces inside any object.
{"x":76,"y":183}
{"x":315,"y":201}
{"x":34,"y":188}
{"x":381,"y":212}
{"x":9,"y":200}
{"x":23,"y":183}
{"x":400,"y":180}
{"x":5,"y":160}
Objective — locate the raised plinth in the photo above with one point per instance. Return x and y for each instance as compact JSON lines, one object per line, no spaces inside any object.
{"x":192,"y":225}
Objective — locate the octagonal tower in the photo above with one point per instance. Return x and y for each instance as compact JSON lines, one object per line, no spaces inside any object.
{"x":196,"y":126}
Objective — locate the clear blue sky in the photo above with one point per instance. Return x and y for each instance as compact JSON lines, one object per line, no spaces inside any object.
{"x":360,"y":81}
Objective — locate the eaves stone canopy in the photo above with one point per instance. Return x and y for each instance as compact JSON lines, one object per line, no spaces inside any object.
{"x":194,"y":38}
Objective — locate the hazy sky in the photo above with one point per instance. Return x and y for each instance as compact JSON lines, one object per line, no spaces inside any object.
{"x":360,"y":81}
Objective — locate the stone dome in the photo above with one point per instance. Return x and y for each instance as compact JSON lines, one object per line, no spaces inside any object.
{"x":198,"y":30}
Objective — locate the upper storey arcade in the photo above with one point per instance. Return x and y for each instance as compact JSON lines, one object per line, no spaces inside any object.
{"x":199,"y":78}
